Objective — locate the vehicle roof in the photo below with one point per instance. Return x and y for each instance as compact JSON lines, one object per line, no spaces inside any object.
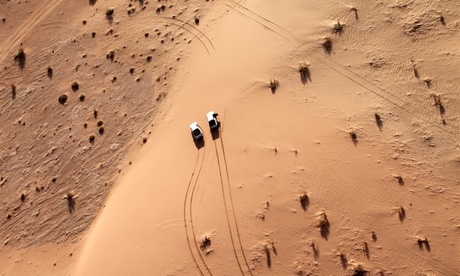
{"x":194,"y":125}
{"x":210,"y":115}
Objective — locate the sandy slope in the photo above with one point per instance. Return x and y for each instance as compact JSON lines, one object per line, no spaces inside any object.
{"x":275,"y":146}
{"x":242,"y":188}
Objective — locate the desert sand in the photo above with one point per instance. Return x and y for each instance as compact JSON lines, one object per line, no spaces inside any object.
{"x":338,"y":151}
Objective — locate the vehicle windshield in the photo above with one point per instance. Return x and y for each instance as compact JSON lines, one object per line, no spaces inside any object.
{"x":212,"y":123}
{"x":196,"y":132}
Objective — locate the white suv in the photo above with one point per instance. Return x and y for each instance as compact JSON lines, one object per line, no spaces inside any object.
{"x":212,"y":120}
{"x":197,"y":133}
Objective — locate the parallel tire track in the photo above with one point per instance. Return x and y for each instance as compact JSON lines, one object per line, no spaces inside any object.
{"x":233,"y":207}
{"x":352,"y":76}
{"x":189,"y":29}
{"x":27,"y":26}
{"x":188,"y":211}
{"x":226,"y":209}
{"x":218,"y":156}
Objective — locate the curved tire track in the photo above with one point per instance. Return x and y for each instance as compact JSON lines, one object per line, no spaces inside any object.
{"x":188,"y":211}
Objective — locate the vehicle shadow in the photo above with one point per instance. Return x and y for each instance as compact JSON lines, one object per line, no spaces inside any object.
{"x":199,"y":143}
{"x":215,"y":133}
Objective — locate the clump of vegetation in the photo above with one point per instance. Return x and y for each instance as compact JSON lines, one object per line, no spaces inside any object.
{"x":273,"y":84}
{"x":62,"y":99}
{"x":422,"y":242}
{"x":355,"y":11}
{"x":438,"y":103}
{"x":327,"y":45}
{"x":70,"y":198}
{"x":378,"y":121}
{"x":267,"y":254}
{"x":205,"y":243}
{"x":374,"y":236}
{"x":49,"y":72}
{"x":109,"y":14}
{"x":75,"y":86}
{"x":197,"y":21}
{"x":92,"y":138}
{"x":401,"y":213}
{"x":304,"y":201}
{"x":324,"y":226}
{"x":304,"y":71}
{"x":101,"y":130}
{"x":92,"y":2}
{"x":359,"y":270}
{"x":13,"y":91}
{"x":343,"y":260}
{"x":23,"y":197}
{"x":366,"y":249}
{"x":400,"y":180}
{"x":82,"y":98}
{"x":354,"y":137}
{"x":99,"y":123}
{"x":315,"y":250}
{"x":111,"y":55}
{"x":20,"y":58}
{"x":441,"y":19}
{"x":338,"y":28}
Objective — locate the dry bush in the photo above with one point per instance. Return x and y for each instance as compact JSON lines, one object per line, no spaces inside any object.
{"x":343,"y":260}
{"x":205,"y":243}
{"x":355,"y":11}
{"x":109,"y":14}
{"x":354,"y":137}
{"x":49,"y":72}
{"x":110,"y":55}
{"x":327,"y":45}
{"x":274,"y":84}
{"x":75,"y":86}
{"x":359,"y":270}
{"x":13,"y":91}
{"x":378,"y":121}
{"x":338,"y":28}
{"x":304,"y":71}
{"x":267,"y":254}
{"x":70,"y":197}
{"x":20,"y":58}
{"x":62,"y":99}
{"x":304,"y":201}
{"x":324,"y":226}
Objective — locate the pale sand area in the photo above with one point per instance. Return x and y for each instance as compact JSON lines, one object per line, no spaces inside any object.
{"x":242,"y":189}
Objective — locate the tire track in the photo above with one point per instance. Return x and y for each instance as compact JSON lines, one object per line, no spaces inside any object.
{"x":226,"y":209}
{"x":27,"y":26}
{"x":233,"y":207}
{"x":181,"y":26}
{"x":230,"y":200}
{"x":188,"y":206}
{"x":352,"y":76}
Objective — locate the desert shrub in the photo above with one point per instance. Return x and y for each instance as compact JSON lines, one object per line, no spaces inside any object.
{"x":62,"y":99}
